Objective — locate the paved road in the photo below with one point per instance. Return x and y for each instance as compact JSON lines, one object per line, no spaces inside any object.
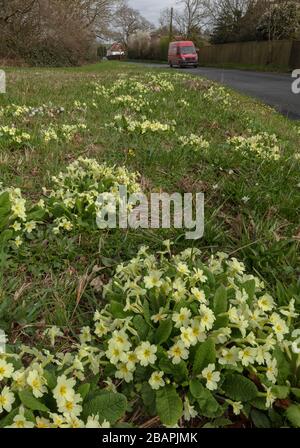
{"x":271,"y":88}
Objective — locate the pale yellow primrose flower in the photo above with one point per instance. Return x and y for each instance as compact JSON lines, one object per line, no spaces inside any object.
{"x":270,"y":398}
{"x":266,"y":303}
{"x":93,"y":422}
{"x":199,"y":295}
{"x":37,"y":383}
{"x":146,"y":354}
{"x":43,"y":423}
{"x":178,"y":352}
{"x":247,"y":356}
{"x":160,"y":316}
{"x":125,"y":371}
{"x":189,"y":411}
{"x":6,"y":369}
{"x":153,"y":280}
{"x":237,"y":406}
{"x":53,"y":333}
{"x":211,"y":376}
{"x":20,"y":421}
{"x":58,"y":420}
{"x":19,"y":379}
{"x":64,"y":390}
{"x":188,"y":336}
{"x":7,"y":398}
{"x":182,"y":319}
{"x":272,"y":370}
{"x":30,"y":226}
{"x":207,"y":317}
{"x":70,"y":407}
{"x":156,"y":381}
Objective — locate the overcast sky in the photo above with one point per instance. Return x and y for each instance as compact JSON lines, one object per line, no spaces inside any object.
{"x":150,"y":9}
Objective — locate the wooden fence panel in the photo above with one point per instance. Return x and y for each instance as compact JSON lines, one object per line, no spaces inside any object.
{"x":277,"y":53}
{"x":295,"y":55}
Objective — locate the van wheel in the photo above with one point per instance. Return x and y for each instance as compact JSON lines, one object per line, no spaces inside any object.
{"x":170,"y":65}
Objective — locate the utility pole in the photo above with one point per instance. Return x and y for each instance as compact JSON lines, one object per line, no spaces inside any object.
{"x":171,"y":24}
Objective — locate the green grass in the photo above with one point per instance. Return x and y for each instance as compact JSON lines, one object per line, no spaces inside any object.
{"x":47,"y":281}
{"x":149,"y":61}
{"x":228,"y":65}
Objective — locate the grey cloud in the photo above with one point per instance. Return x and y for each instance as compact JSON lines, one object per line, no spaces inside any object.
{"x":150,"y":9}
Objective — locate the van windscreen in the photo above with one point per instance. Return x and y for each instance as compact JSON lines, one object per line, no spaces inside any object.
{"x":187,"y":50}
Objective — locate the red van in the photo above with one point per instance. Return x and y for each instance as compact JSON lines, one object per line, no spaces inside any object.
{"x":183,"y":54}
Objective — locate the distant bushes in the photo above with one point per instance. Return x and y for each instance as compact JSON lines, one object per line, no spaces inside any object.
{"x":57,"y":54}
{"x":101,"y":51}
{"x":143,"y":46}
{"x":45,"y":33}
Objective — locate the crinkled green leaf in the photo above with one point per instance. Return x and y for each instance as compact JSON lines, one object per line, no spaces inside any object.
{"x":83,"y":390}
{"x":179,"y":371}
{"x":108,"y":406}
{"x":209,"y":407}
{"x":205,"y":355}
{"x":168,"y":405}
{"x":296,"y":392}
{"x":50,"y":378}
{"x":260,"y":419}
{"x":163,"y":332}
{"x":250,"y":288}
{"x":239,"y":388}
{"x":149,"y":398}
{"x":220,"y":301}
{"x":141,"y":327}
{"x":30,"y":402}
{"x":281,"y":392}
{"x":293,"y":415}
{"x":283,"y":365}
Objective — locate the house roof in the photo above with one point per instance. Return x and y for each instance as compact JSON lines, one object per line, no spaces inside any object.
{"x":116,"y":46}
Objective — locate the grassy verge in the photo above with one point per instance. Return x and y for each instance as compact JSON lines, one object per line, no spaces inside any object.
{"x":148,"y":61}
{"x":233,"y":66}
{"x":251,"y":67}
{"x":252,"y":197}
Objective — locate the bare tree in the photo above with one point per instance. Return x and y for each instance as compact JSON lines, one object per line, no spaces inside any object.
{"x":237,"y":20}
{"x":167,"y":24}
{"x":9,"y":9}
{"x":98,"y":14}
{"x":165,"y":19}
{"x":126,"y":22}
{"x":19,"y":23}
{"x":279,"y":20}
{"x":214,"y":8}
{"x":191,"y":16}
{"x":57,"y":29}
{"x":228,"y":19}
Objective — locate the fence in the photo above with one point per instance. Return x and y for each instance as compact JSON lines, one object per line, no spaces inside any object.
{"x":295,"y":55}
{"x":281,"y":53}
